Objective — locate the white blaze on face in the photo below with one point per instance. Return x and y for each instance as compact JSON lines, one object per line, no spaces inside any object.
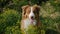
{"x":31,"y":13}
{"x":29,"y":21}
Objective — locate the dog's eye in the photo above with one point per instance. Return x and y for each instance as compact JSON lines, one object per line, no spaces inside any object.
{"x":24,"y":13}
{"x":34,"y":11}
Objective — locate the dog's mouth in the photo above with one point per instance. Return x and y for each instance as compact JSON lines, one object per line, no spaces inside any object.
{"x":32,"y":18}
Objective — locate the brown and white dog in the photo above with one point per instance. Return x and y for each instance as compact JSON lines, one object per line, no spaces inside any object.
{"x":30,"y":15}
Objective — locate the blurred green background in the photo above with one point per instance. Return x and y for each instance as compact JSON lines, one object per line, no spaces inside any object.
{"x":10,"y":16}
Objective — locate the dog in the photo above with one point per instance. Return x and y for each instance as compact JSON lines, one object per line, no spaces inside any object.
{"x":30,"y":16}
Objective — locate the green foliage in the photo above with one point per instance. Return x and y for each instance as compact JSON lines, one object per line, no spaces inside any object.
{"x":12,"y":30}
{"x":50,"y":16}
{"x":32,"y":30}
{"x":9,"y":18}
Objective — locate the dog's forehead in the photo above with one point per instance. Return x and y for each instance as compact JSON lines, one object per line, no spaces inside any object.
{"x":31,"y":8}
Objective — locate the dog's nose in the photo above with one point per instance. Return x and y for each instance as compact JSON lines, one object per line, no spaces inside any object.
{"x":32,"y":17}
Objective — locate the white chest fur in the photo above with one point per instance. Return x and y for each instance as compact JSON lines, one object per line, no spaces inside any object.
{"x":27,"y":22}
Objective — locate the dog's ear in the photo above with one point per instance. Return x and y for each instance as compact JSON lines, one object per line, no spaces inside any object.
{"x":24,"y":9}
{"x":37,"y":7}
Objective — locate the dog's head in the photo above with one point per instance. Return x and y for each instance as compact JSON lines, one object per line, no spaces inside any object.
{"x":30,"y":12}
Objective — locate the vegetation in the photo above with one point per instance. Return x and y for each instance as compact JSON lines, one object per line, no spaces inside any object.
{"x":10,"y":16}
